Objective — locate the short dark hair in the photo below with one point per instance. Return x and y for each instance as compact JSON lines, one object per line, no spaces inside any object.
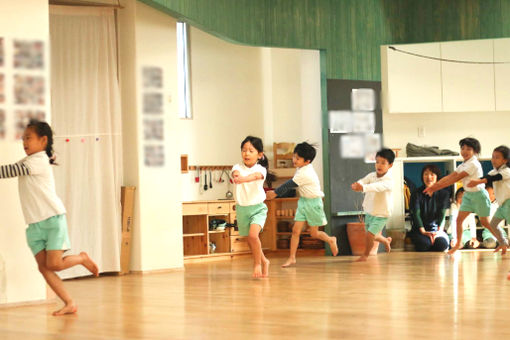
{"x":387,"y":154}
{"x":472,"y":143}
{"x":432,"y":168}
{"x":305,"y":150}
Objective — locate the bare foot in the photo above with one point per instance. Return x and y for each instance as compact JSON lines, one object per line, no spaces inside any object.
{"x":362,"y":258}
{"x":503,"y":249}
{"x":333,"y":245}
{"x":265,"y":268}
{"x":387,"y":244}
{"x":67,"y":309}
{"x":453,"y":250}
{"x":290,"y":261}
{"x":89,"y":264}
{"x":257,"y":271}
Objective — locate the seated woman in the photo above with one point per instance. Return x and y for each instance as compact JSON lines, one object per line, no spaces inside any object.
{"x":429,"y":213}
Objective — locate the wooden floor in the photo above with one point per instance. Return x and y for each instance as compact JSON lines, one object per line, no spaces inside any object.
{"x":393,"y":296}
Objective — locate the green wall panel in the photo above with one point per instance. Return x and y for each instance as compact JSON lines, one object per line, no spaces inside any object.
{"x":350,"y":31}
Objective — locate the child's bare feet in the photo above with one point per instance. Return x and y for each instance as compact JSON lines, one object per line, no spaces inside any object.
{"x":333,"y":245}
{"x":89,"y":264}
{"x":290,"y":261}
{"x":257,"y":271}
{"x":387,"y":244}
{"x":265,"y":268}
{"x":70,"y":308}
{"x":503,"y":249}
{"x":362,"y":258}
{"x":453,"y":250}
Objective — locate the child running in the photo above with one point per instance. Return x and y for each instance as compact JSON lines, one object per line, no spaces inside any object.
{"x":249,"y":195}
{"x":44,"y":212}
{"x":310,"y":207}
{"x":476,"y":199}
{"x":378,"y":187}
{"x":499,"y":177}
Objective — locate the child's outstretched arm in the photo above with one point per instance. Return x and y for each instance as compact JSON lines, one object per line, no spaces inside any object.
{"x":282,"y":189}
{"x":445,"y":181}
{"x":245,"y":179}
{"x":381,"y":186}
{"x":487,"y":179}
{"x":13,"y":170}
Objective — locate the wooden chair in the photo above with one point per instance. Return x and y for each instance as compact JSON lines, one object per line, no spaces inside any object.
{"x":287,"y":147}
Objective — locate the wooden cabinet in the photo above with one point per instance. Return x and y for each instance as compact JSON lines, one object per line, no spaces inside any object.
{"x":197,"y":238}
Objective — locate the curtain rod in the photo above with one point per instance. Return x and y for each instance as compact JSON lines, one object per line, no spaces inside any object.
{"x":84,"y":3}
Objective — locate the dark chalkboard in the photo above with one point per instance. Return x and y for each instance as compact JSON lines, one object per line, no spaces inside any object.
{"x":343,"y":171}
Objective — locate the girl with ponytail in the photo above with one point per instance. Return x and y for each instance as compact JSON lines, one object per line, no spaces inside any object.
{"x":251,"y":211}
{"x":44,"y":212}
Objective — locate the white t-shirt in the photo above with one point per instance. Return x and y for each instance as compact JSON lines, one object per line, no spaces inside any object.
{"x":308,"y":182}
{"x":501,"y":188}
{"x":39,"y":200}
{"x":250,"y":193}
{"x":378,"y":194}
{"x":474,"y":170}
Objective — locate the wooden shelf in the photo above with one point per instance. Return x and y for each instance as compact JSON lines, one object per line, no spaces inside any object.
{"x":195,"y":234}
{"x":217,"y":231}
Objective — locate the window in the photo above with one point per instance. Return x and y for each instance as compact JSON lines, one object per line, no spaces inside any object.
{"x":183,"y":70}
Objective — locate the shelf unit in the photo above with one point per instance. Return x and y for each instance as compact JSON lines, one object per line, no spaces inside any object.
{"x":197,"y":236}
{"x":272,"y":220}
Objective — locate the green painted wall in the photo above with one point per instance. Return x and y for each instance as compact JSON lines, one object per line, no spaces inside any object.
{"x":350,"y":31}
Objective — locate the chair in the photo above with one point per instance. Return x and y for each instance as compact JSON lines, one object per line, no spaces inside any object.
{"x":288,"y":149}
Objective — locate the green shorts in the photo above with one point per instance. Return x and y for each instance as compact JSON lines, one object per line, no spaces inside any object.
{"x":466,"y":236}
{"x":477,"y":202}
{"x":50,"y":234}
{"x":503,"y":211}
{"x":375,"y":224}
{"x":311,"y":210}
{"x":250,"y":214}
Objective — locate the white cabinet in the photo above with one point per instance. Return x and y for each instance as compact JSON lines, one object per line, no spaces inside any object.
{"x":419,"y":84}
{"x":502,"y":73}
{"x":414,"y":83}
{"x":468,"y":87}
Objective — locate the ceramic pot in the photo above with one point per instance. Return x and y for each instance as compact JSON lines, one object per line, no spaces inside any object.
{"x":356,"y":234}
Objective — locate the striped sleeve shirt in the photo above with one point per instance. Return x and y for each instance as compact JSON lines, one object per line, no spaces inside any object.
{"x":13,"y":170}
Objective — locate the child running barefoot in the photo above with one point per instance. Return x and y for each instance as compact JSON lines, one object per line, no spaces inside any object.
{"x":476,"y":199}
{"x":249,"y":194}
{"x":44,"y":212}
{"x":310,"y":207}
{"x":377,"y":187}
{"x":499,"y":177}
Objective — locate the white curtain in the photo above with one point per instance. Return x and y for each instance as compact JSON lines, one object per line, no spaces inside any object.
{"x":86,"y":118}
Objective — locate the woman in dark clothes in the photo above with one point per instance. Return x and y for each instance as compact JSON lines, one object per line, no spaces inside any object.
{"x":429,"y":213}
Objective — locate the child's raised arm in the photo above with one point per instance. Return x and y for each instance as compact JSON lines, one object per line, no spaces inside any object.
{"x":445,"y":181}
{"x":13,"y":170}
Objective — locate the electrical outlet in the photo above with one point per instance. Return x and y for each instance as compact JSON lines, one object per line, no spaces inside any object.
{"x":421,"y":131}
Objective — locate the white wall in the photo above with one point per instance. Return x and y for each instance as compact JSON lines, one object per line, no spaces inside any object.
{"x":295,"y":97}
{"x":23,"y":282}
{"x":148,"y":38}
{"x":240,"y":90}
{"x":226,"y":95}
